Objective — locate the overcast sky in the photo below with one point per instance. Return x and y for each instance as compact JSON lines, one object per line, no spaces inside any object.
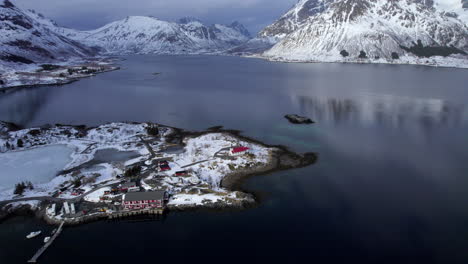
{"x":90,"y":14}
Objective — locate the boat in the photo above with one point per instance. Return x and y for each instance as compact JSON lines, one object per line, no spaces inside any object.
{"x":53,"y":231}
{"x":33,"y":234}
{"x":46,"y":239}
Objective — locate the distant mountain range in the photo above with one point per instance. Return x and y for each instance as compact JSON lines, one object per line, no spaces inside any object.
{"x":142,"y":34}
{"x":404,"y":31}
{"x":28,"y":37}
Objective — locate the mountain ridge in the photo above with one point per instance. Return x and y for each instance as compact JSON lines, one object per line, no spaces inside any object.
{"x":350,"y":30}
{"x":144,"y":35}
{"x":24,"y":40}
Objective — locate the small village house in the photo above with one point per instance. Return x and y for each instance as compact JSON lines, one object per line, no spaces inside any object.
{"x":144,"y":200}
{"x":164,"y":167}
{"x":237,"y":151}
{"x":129,"y":187}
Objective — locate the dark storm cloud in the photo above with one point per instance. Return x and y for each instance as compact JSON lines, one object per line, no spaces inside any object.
{"x":89,"y":14}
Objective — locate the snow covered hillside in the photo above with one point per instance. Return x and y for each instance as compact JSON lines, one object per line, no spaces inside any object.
{"x":143,"y":35}
{"x":25,"y":40}
{"x":406,"y":31}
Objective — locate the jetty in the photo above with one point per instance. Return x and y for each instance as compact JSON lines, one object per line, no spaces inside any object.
{"x":46,"y":245}
{"x":124,"y":214}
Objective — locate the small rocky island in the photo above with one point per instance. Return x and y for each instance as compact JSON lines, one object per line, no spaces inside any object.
{"x":296,"y":119}
{"x":123,"y":169}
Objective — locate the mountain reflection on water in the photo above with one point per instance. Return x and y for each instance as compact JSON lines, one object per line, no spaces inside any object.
{"x":390,"y":111}
{"x":22,"y":106}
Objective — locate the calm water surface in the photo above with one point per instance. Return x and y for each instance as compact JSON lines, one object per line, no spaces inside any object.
{"x":390,"y":186}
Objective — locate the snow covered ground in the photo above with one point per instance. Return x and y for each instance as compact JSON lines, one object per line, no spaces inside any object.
{"x":16,"y":75}
{"x":74,"y":150}
{"x":213,"y":171}
{"x":44,"y":152}
{"x":454,"y":61}
{"x":95,"y":196}
{"x":203,"y":184}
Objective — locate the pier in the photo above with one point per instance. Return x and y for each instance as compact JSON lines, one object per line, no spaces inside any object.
{"x":124,"y":214}
{"x":46,"y":245}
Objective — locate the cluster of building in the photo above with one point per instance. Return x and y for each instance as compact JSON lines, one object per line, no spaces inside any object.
{"x":135,"y":199}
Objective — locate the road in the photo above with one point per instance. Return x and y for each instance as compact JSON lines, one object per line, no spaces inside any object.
{"x":53,"y":199}
{"x":148,"y":146}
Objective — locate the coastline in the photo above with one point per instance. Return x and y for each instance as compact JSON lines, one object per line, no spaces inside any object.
{"x":442,"y":63}
{"x":33,"y":79}
{"x":280,"y":159}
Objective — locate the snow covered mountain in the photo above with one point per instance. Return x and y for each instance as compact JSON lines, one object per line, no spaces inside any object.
{"x":25,"y":40}
{"x":294,"y":18}
{"x":346,"y":30}
{"x":27,"y":37}
{"x":144,"y":35}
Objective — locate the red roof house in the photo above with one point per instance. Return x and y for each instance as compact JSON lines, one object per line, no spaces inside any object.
{"x":238,"y":150}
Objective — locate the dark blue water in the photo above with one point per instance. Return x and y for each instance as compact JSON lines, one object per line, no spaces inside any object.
{"x":390,"y":186}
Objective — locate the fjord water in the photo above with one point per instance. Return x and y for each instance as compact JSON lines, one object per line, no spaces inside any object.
{"x":390,"y":185}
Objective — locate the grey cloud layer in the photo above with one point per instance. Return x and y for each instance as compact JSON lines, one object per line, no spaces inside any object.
{"x":88,"y":14}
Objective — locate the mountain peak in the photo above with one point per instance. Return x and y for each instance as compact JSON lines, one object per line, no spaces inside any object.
{"x":239,"y":27}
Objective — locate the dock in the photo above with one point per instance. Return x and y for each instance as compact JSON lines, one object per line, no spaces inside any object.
{"x":124,"y":214}
{"x":46,"y":245}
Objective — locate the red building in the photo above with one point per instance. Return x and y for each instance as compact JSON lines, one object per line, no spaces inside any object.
{"x":144,"y":200}
{"x":164,"y":167}
{"x":181,"y":173}
{"x":235,"y":151}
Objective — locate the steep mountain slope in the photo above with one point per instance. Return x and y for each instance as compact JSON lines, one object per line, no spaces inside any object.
{"x":288,"y":23}
{"x":24,"y":40}
{"x":295,"y":18}
{"x":330,"y":30}
{"x":141,"y":34}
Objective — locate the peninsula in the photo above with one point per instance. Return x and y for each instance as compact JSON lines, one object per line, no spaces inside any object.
{"x":123,"y":169}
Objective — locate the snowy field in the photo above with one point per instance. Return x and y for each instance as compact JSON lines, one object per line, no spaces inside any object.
{"x":205,"y":158}
{"x":45,"y":152}
{"x":37,"y":165}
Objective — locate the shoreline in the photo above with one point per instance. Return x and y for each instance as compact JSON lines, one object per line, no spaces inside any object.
{"x":281,"y":158}
{"x":367,"y":62}
{"x":59,"y":81}
{"x":248,"y":56}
